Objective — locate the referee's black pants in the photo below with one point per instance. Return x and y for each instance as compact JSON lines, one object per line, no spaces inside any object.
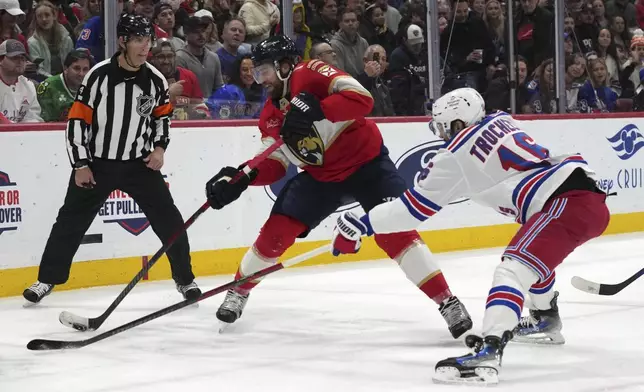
{"x":147,"y":187}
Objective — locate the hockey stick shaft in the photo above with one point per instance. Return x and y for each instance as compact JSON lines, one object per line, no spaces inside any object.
{"x":95,"y":323}
{"x":603,"y":288}
{"x":44,"y":344}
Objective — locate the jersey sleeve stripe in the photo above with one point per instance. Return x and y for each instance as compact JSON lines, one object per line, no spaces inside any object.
{"x":81,"y":111}
{"x":420,"y":204}
{"x":528,"y":187}
{"x":412,"y":210}
{"x":163,"y":110}
{"x":423,"y":200}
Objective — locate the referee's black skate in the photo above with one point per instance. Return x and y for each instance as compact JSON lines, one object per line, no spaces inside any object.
{"x":540,"y":326}
{"x":37,"y":292}
{"x":456,"y":316}
{"x":231,"y":309}
{"x":478,"y":368}
{"x":189,"y":291}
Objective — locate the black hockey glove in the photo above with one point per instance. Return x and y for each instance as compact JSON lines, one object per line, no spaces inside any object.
{"x":305,"y":109}
{"x":221,"y":192}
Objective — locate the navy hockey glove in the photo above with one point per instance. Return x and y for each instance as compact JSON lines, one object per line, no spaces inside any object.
{"x":304,"y":111}
{"x":347,"y":232}
{"x":220,"y":192}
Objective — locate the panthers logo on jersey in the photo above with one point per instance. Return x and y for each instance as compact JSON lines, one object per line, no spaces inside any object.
{"x":309,"y":149}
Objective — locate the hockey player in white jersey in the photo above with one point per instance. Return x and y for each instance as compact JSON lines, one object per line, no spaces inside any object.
{"x":490,"y":160}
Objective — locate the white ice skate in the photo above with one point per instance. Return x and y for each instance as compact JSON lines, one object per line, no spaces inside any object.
{"x":540,"y":326}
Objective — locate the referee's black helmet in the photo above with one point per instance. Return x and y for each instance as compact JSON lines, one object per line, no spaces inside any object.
{"x":131,"y":25}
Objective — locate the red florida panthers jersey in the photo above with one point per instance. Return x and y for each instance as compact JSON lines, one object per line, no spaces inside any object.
{"x":340,"y":143}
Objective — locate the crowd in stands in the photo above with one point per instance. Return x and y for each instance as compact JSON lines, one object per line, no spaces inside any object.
{"x":203,"y":48}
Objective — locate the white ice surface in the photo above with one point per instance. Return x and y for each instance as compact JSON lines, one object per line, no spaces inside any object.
{"x":349,"y":327}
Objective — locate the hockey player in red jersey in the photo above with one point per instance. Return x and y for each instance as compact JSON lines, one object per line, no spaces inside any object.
{"x":319,"y":112}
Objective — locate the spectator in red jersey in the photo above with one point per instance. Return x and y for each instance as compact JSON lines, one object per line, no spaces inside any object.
{"x":185,"y":93}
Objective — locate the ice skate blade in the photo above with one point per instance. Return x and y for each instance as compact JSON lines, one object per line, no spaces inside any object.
{"x":548,"y":339}
{"x":482,"y":377}
{"x":73,"y":321}
{"x":29,"y":304}
{"x":223,"y":326}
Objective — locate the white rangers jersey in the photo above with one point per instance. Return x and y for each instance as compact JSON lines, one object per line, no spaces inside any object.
{"x":494,"y":163}
{"x":19,"y":102}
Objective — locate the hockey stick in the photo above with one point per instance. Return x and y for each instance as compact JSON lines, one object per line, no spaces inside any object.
{"x":602,"y":288}
{"x":71,"y":320}
{"x":44,"y":344}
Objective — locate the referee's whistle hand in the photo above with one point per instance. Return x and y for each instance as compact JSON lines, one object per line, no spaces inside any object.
{"x":84,"y":178}
{"x":154,"y":161}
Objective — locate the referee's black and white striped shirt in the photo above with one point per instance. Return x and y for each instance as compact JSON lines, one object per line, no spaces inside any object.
{"x":118,"y":114}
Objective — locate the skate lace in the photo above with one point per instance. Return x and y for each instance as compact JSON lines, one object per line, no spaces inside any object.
{"x":452,"y":312}
{"x":528,"y":322}
{"x":40,"y":288}
{"x":234,"y":301}
{"x":185,"y":288}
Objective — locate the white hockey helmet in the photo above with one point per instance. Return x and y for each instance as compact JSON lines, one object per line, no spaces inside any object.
{"x":464,"y":104}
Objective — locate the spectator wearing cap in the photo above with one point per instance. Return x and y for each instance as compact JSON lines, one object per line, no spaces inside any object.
{"x":535,"y":33}
{"x":233,"y":36}
{"x":260,"y":17}
{"x":212,"y":33}
{"x":348,"y":44}
{"x":164,"y":18}
{"x":146,"y":8}
{"x":57,"y":93}
{"x":623,"y":8}
{"x":9,"y":13}
{"x":468,"y":46}
{"x":325,"y":52}
{"x":195,"y":57}
{"x":408,"y":73}
{"x":50,"y":41}
{"x":91,"y":37}
{"x":185,"y":93}
{"x":18,"y":101}
{"x":587,"y":30}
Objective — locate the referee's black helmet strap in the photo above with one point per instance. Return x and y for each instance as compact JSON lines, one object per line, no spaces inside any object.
{"x":130,"y":25}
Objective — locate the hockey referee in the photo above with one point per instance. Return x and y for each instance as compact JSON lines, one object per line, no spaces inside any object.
{"x":117,"y":133}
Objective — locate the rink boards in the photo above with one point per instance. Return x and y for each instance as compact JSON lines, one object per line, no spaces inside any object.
{"x":34,"y":172}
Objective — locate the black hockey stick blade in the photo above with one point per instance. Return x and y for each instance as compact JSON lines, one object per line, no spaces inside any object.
{"x":603,"y":288}
{"x":45,"y":344}
{"x":79,"y":323}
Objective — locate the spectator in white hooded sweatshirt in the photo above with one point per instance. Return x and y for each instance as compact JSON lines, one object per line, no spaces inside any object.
{"x":260,"y":17}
